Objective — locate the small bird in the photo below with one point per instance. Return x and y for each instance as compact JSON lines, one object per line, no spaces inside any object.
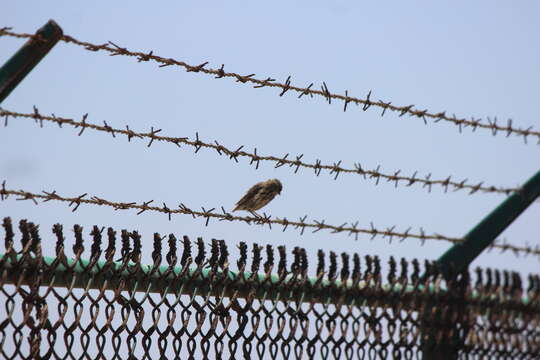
{"x":259,"y":195}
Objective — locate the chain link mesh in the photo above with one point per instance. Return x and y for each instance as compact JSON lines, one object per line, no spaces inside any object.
{"x":196,"y":304}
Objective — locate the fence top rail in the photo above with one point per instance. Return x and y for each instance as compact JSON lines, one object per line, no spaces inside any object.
{"x":195,"y":272}
{"x":80,"y":273}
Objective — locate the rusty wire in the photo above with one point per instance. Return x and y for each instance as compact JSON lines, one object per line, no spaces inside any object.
{"x":351,"y":228}
{"x":473,"y":123}
{"x":293,"y":163}
{"x":195,"y":302}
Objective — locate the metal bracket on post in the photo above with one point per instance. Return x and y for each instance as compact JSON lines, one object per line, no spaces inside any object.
{"x":28,"y":56}
{"x":460,"y":256}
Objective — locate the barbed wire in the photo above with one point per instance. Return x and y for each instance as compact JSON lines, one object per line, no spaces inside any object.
{"x":352,"y":229}
{"x":474,"y":123}
{"x":294,"y":163}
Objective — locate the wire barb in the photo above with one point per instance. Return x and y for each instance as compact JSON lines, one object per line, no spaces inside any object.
{"x":286,"y":86}
{"x":300,"y":225}
{"x":334,"y":169}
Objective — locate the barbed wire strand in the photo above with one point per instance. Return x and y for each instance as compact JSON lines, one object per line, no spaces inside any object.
{"x":366,"y":103}
{"x":294,"y":163}
{"x":301,"y":225}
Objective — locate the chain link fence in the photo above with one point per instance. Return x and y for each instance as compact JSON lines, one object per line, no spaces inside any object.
{"x":195,"y":302}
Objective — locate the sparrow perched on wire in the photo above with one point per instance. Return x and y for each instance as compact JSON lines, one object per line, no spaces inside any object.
{"x":259,"y":195}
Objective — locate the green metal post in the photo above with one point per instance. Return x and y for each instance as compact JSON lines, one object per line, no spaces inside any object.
{"x":459,"y":257}
{"x":28,"y":56}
